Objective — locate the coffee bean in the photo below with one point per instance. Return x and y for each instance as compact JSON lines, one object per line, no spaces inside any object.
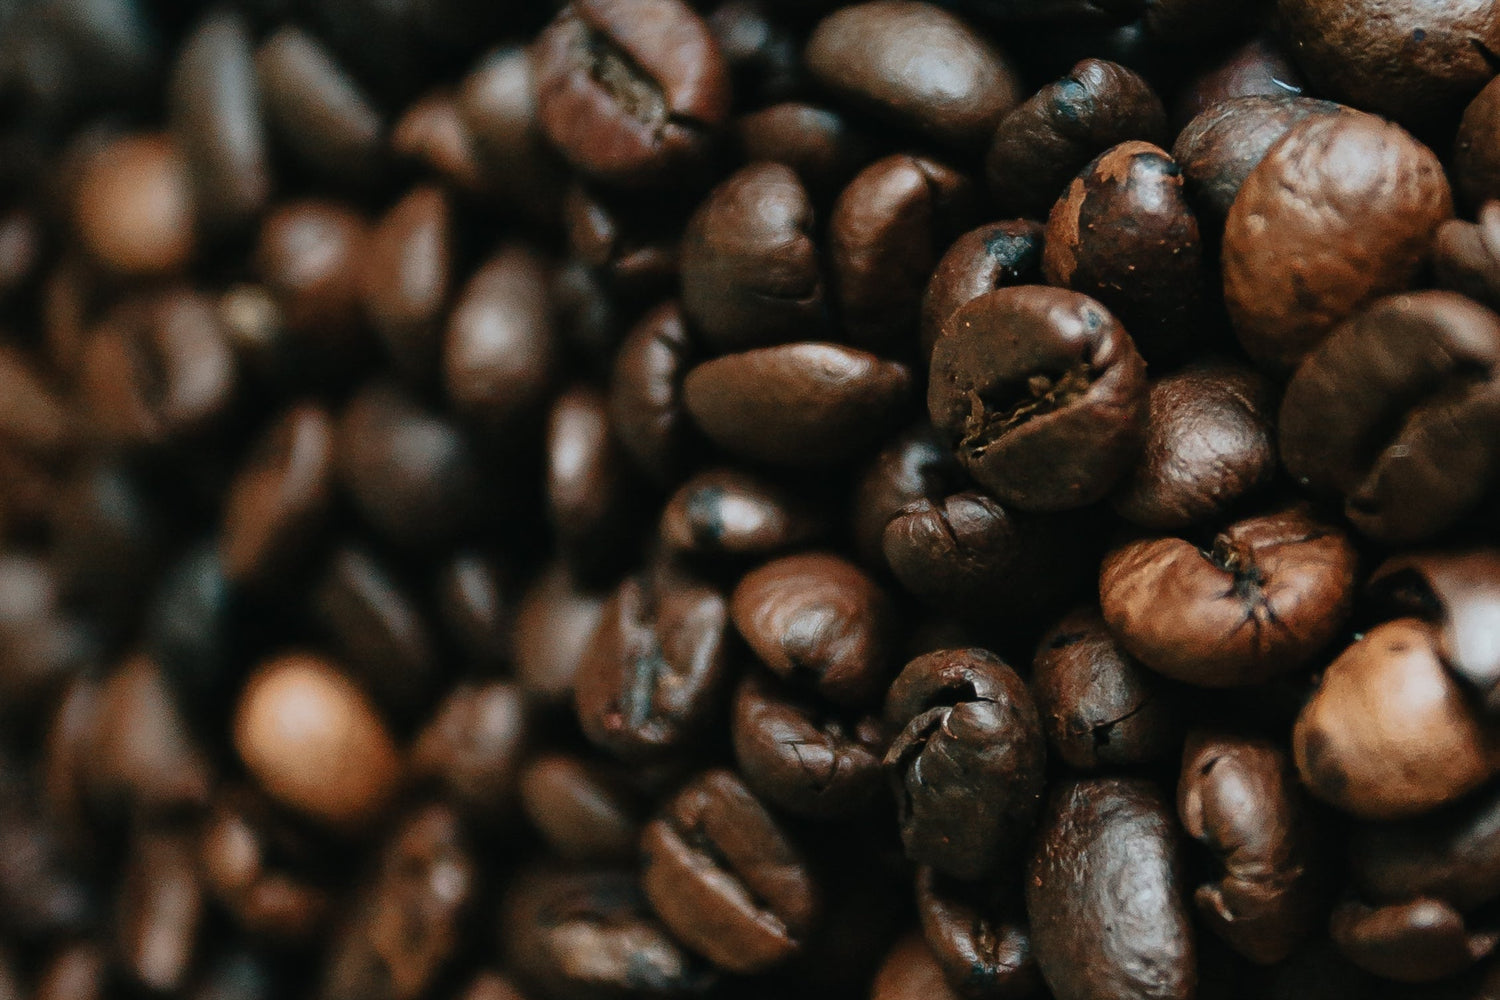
{"x":318,"y":110}
{"x":1270,"y":594}
{"x":998,"y":255}
{"x":310,"y":256}
{"x":978,"y":936}
{"x":160,"y":908}
{"x":821,"y":146}
{"x":491,"y":986}
{"x":1345,"y":231}
{"x":1100,"y":708}
{"x":1390,"y":411}
{"x":1464,"y":256}
{"x":805,"y":404}
{"x":915,"y":65}
{"x":762,"y":50}
{"x":1476,"y":165}
{"x":645,"y":395}
{"x":725,"y":514}
{"x":1104,"y":893}
{"x":554,"y":623}
{"x":43,"y":643}
{"x":916,"y":465}
{"x":406,"y":277}
{"x":910,"y":972}
{"x":967,"y":765}
{"x":43,"y":895}
{"x":497,"y":104}
{"x":133,"y":207}
{"x":593,"y":498}
{"x":476,"y":603}
{"x":1414,"y":942}
{"x":1042,"y":144}
{"x":631,"y":91}
{"x":315,"y":743}
{"x":1261,"y":67}
{"x":1449,"y":855}
{"x":724,"y":877}
{"x":584,"y":809}
{"x":818,"y":621}
{"x":75,"y":972}
{"x":471,"y":748}
{"x":633,"y":250}
{"x":195,"y":630}
{"x":1042,"y":392}
{"x":432,"y":134}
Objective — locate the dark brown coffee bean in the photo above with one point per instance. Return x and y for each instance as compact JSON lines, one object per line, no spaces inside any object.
{"x":750,"y":272}
{"x":762,"y":50}
{"x":589,"y":935}
{"x":318,"y":109}
{"x":315,"y":743}
{"x":916,"y":65}
{"x":724,"y":877}
{"x":500,"y":352}
{"x":409,"y":471}
{"x":1409,"y":64}
{"x":554,"y":623}
{"x":1042,"y":145}
{"x":471,"y":748}
{"x":1042,"y":392}
{"x":628,"y":247}
{"x":819,"y":622}
{"x":645,"y":395}
{"x":805,"y":404}
{"x":801,"y":758}
{"x":887,"y":230}
{"x":1353,"y":203}
{"x":38,"y":437}
{"x":107,"y":534}
{"x":585,"y":810}
{"x":821,"y":146}
{"x":1100,"y":708}
{"x":432,"y":134}
{"x":910,"y":972}
{"x":406,"y":277}
{"x":491,"y":986}
{"x":1394,"y":412}
{"x":978,"y":936}
{"x":133,"y":206}
{"x":1261,"y":67}
{"x":259,"y":867}
{"x":1124,"y":234}
{"x":279,"y":498}
{"x":1476,"y":150}
{"x":654,"y":676}
{"x":593,"y":498}
{"x":1450,"y":855}
{"x":1269,"y":595}
{"x":497,"y":103}
{"x":160,"y":908}
{"x":1238,"y":797}
{"x":631,"y":91}
{"x":310,"y":256}
{"x":728,"y":514}
{"x":42,"y":642}
{"x":1389,"y":733}
{"x":1466,"y":256}
{"x":43,"y":895}
{"x":476,"y":603}
{"x":1419,"y":941}
{"x":1104,"y":892}
{"x":1209,"y":445}
{"x":1460,"y":593}
{"x":994,"y":256}
{"x":917,"y":465}
{"x":217,"y":122}
{"x":967,"y":766}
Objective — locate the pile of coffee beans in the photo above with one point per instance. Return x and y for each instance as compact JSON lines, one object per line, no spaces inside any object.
{"x":750,"y":499}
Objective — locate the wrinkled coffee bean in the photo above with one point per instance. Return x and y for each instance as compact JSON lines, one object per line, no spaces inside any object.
{"x":994,"y":256}
{"x":917,"y":465}
{"x":979,"y":937}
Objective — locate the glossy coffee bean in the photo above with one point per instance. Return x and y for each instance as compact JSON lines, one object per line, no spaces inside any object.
{"x":724,"y":877}
{"x":592,"y":493}
{"x":805,"y":404}
{"x":1465,"y":258}
{"x":310,"y":256}
{"x":1042,"y":144}
{"x":631,"y":91}
{"x":823,"y":147}
{"x":978,"y":937}
{"x":1104,"y":893}
{"x":160,"y":908}
{"x":405,"y":280}
{"x":1239,"y":797}
{"x":993,"y":256}
{"x":819,"y":622}
{"x":887,"y":229}
{"x":915,"y":65}
{"x":750,"y":269}
{"x":1476,"y":162}
{"x":584,"y":809}
{"x":1390,"y":411}
{"x":1449,"y":855}
{"x":133,"y":207}
{"x":1042,"y":392}
{"x":471,"y":748}
{"x":1345,"y":232}
{"x":1261,"y":67}
{"x":554,"y":623}
{"x":910,"y":972}
{"x":967,"y":763}
{"x":1389,"y":733}
{"x":497,"y":104}
{"x":801,"y":758}
{"x":1209,"y":445}
{"x":654,"y":675}
{"x":1269,"y":595}
{"x":1099,"y":707}
{"x":1419,"y":941}
{"x":725,"y":514}
{"x":645,"y":395}
{"x":916,"y":465}
{"x":315,"y":743}
{"x":318,"y":110}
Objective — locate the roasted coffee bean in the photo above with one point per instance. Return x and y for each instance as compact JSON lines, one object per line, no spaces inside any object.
{"x":1104,"y":893}
{"x":434,"y":135}
{"x":887,"y":230}
{"x":1476,"y":161}
{"x":1408,"y":64}
{"x":318,"y":110}
{"x":1124,"y":234}
{"x":819,"y":622}
{"x":724,"y":513}
{"x":653,"y":678}
{"x":1042,"y":392}
{"x":1269,"y":595}
{"x":645,"y":395}
{"x":1209,"y":445}
{"x":915,"y":65}
{"x":761,"y":49}
{"x":994,"y":256}
{"x":1353,"y":202}
{"x":1449,"y":855}
{"x":310,"y":256}
{"x":1100,"y":708}
{"x":978,"y":936}
{"x":38,"y":436}
{"x":803,"y":759}
{"x":471,"y":748}
{"x":585,"y":810}
{"x":160,"y":908}
{"x":631,"y":249}
{"x":1261,"y":67}
{"x":1238,"y":797}
{"x":631,"y":92}
{"x":967,"y":764}
{"x":724,"y":877}
{"x":476,"y":601}
{"x":1391,"y":413}
{"x":74,"y":972}
{"x":1464,"y":256}
{"x":497,"y":104}
{"x":917,"y":465}
{"x":821,"y":146}
{"x":42,"y":643}
{"x":491,"y":986}
{"x":910,"y":972}
{"x":806,"y":404}
{"x":750,"y":270}
{"x":405,"y":279}
{"x":133,"y":208}
{"x":107,"y":536}
{"x":256,"y":865}
{"x":589,"y":934}
{"x":1389,"y":733}
{"x":1042,"y":145}
{"x":1414,"y":942}
{"x":554,"y":624}
{"x":43,"y":894}
{"x":315,"y":743}
{"x":593,"y":497}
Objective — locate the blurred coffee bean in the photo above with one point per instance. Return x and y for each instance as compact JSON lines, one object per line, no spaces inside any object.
{"x":195,"y":630}
{"x":1476,"y":162}
{"x":636,"y":251}
{"x":310,"y":255}
{"x":1465,"y":257}
{"x":1413,"y":942}
{"x":256,"y":865}
{"x":471,"y":748}
{"x":318,"y":110}
{"x":762,"y":50}
{"x":1450,"y":855}
{"x":821,"y":146}
{"x":432,"y":134}
{"x":160,"y":909}
{"x":724,"y":514}
{"x":107,"y":532}
{"x":42,"y":643}
{"x":497,"y":104}
{"x":74,"y":972}
{"x":583,"y":809}
{"x":476,"y":603}
{"x":984,"y":259}
{"x":1261,"y":67}
{"x":554,"y":625}
{"x":134,"y":208}
{"x":645,"y":395}
{"x":594,"y":500}
{"x":405,"y":280}
{"x":43,"y":895}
